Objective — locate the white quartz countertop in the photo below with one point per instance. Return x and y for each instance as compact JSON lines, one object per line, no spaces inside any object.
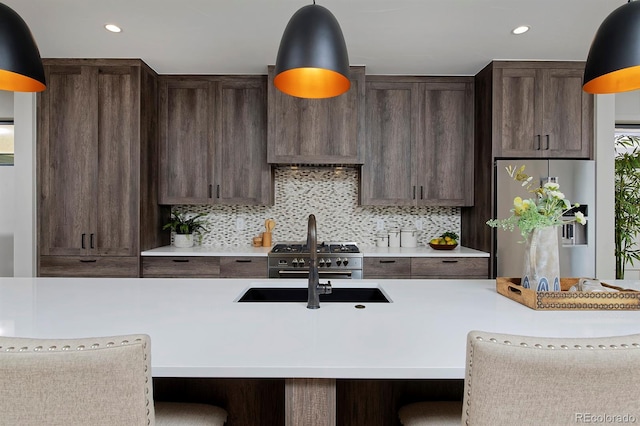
{"x":263,"y":251}
{"x":198,"y":330}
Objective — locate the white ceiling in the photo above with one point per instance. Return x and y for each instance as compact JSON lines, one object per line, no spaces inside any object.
{"x":422,"y":37}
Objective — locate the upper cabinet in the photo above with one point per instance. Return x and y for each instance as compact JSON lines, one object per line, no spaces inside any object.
{"x":213,"y":134}
{"x":419,"y":141}
{"x":97,"y":191}
{"x":317,"y":131}
{"x":541,"y":111}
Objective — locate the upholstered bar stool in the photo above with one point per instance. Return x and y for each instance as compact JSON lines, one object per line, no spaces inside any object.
{"x":511,"y":379}
{"x":88,"y":381}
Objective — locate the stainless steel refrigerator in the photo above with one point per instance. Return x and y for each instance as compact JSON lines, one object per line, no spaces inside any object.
{"x":577,"y":242}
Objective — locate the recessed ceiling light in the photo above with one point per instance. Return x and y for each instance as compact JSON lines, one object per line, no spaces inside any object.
{"x":113,"y":28}
{"x":521,"y":29}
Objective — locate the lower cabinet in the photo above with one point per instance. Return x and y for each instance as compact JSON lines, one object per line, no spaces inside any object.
{"x":386,"y":267}
{"x":88,"y":266}
{"x":180,"y":267}
{"x":243,"y":267}
{"x":204,"y":267}
{"x":426,"y":267}
{"x":450,"y":267}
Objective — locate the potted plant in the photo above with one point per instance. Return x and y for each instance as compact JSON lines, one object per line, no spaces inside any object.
{"x":627,"y":201}
{"x":184,"y":228}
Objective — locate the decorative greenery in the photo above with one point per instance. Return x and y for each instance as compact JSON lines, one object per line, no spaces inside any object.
{"x":545,"y":210}
{"x":180,"y":224}
{"x":627,"y":201}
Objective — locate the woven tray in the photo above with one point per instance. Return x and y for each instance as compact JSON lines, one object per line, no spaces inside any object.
{"x":624,"y":299}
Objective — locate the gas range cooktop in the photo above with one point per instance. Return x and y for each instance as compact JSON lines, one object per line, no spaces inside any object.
{"x":323,"y":248}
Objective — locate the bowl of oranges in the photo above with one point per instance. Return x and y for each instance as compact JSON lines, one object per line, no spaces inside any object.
{"x":446,"y":241}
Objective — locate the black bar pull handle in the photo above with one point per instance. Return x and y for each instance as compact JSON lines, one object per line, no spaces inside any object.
{"x":449,"y":261}
{"x":91,"y":241}
{"x":88,"y":260}
{"x":210,"y":195}
{"x":180,"y":260}
{"x":421,"y":192}
{"x":414,"y":192}
{"x":547,"y":146}
{"x":539,"y":144}
{"x":243,"y":260}
{"x":82,"y":243}
{"x":387,"y":261}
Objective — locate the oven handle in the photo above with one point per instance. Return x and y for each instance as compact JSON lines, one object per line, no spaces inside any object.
{"x":329,"y":274}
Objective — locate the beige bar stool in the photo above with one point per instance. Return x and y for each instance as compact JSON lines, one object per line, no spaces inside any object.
{"x":88,"y":381}
{"x":521,"y":380}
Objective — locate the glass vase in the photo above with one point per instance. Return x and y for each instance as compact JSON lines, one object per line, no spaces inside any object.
{"x":541,"y":265}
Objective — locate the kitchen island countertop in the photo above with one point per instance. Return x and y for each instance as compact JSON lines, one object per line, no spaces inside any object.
{"x":199,"y":330}
{"x":367,"y":251}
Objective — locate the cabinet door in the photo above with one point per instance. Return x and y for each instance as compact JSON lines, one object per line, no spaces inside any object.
{"x":186,"y":141}
{"x":243,"y":174}
{"x":243,"y":267}
{"x":568,"y":115}
{"x":444,"y":148}
{"x":517,"y":131}
{"x":67,"y":160}
{"x":386,"y":176}
{"x":180,"y":267}
{"x":317,"y":131}
{"x":386,"y":267}
{"x":449,"y":267}
{"x":113,"y":232}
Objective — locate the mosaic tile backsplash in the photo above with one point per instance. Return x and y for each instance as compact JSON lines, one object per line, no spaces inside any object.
{"x":331,"y":194}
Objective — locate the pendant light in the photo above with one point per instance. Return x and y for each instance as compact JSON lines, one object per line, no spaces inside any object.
{"x":312,"y":59}
{"x":21,"y":68}
{"x":613,"y":64}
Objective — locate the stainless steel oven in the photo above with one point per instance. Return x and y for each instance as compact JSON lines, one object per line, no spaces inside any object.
{"x":335,"y":261}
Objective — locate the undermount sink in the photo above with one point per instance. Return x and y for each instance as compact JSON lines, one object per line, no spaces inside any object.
{"x":299,"y":294}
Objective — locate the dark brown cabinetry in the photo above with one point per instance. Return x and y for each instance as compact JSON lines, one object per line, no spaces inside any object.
{"x":450,"y":267}
{"x":317,"y":131}
{"x":523,"y":110}
{"x":540,"y":110}
{"x":180,"y":267}
{"x":213,"y":140}
{"x":386,"y":267}
{"x":419,"y":141}
{"x":204,"y":267}
{"x":425,"y":267}
{"x":96,"y":146}
{"x":243,"y":267}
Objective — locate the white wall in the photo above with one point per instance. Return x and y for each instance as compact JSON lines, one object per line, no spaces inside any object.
{"x":24,"y":247}
{"x":605,"y":200}
{"x":6,"y":197}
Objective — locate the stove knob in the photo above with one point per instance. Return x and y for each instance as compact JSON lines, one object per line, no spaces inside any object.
{"x":328,"y":263}
{"x":338,"y":261}
{"x":345,"y":262}
{"x":321,"y":263}
{"x":294,"y":262}
{"x":301,"y":262}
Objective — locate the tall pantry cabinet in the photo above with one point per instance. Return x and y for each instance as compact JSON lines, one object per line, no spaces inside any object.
{"x":96,"y":153}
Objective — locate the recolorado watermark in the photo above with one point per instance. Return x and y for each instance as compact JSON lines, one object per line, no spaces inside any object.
{"x":591,"y":418}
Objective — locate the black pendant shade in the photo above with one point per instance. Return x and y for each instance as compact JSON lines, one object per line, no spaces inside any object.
{"x":613,"y":64}
{"x":20,"y":64}
{"x":312,"y":59}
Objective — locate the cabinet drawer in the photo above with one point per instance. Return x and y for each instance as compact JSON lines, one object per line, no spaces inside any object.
{"x":243,"y":267}
{"x":449,"y":267}
{"x":89,"y":266}
{"x":384,"y":267}
{"x":180,"y":266}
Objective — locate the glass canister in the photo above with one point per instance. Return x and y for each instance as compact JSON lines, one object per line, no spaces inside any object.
{"x":394,"y":237}
{"x":382,"y":239}
{"x":409,"y":237}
